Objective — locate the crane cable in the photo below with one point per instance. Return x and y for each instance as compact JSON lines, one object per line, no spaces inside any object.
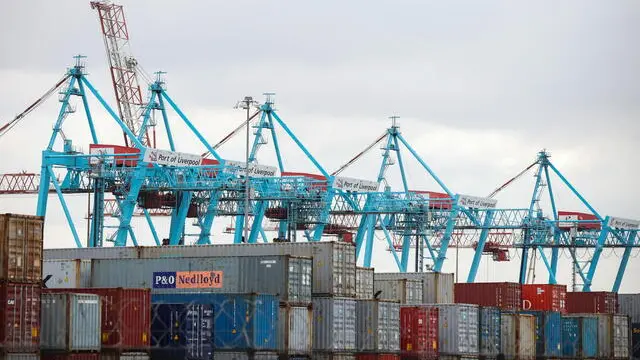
{"x":359,"y":155}
{"x":232,"y":133}
{"x":503,"y":186}
{"x":11,"y":124}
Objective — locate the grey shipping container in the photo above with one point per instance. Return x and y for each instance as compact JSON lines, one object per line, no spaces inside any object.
{"x":518,"y":336}
{"x":458,"y":326}
{"x":334,"y":324}
{"x":124,"y":356}
{"x":489,"y":333}
{"x":437,"y":288}
{"x":229,"y":355}
{"x":288,"y":276}
{"x":333,"y":356}
{"x":19,"y":356}
{"x":295,"y":330}
{"x":613,"y":336}
{"x":333,"y":262}
{"x":629,"y":304}
{"x":67,"y":274}
{"x":364,"y":283}
{"x":406,"y":291}
{"x":377,"y":326}
{"x":70,"y":322}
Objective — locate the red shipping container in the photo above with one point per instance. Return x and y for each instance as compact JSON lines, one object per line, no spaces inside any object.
{"x":20,"y":317}
{"x":601,"y":302}
{"x":69,"y":356}
{"x":570,"y":216}
{"x":126,"y":317}
{"x":374,"y":356}
{"x":419,"y":332}
{"x":541,"y":297}
{"x":124,"y":160}
{"x":438,"y":200}
{"x":506,"y":296}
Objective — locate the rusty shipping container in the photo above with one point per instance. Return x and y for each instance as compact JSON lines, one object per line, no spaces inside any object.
{"x":506,"y":296}
{"x":65,"y":274}
{"x":437,"y":288}
{"x":364,"y":283}
{"x":295,"y":330}
{"x":377,"y":326}
{"x":599,"y":302}
{"x":70,"y":322}
{"x":544,"y":297}
{"x":70,"y":356}
{"x":419,"y":332}
{"x":126,"y":317}
{"x":20,"y":317}
{"x":518,"y":336}
{"x":21,"y":248}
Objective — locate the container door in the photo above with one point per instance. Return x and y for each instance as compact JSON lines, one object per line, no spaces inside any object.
{"x":198,"y":331}
{"x":570,"y":337}
{"x":552,"y":335}
{"x":167,"y":340}
{"x":589,"y":337}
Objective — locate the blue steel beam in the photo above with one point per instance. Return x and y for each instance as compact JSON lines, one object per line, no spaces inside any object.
{"x":631,"y":241}
{"x":477,"y":257}
{"x":556,"y":234}
{"x":596,"y":255}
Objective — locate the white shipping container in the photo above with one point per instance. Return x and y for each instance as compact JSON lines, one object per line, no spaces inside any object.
{"x":437,"y":288}
{"x":458,"y":326}
{"x":405,"y":291}
{"x":518,"y":336}
{"x":67,"y":274}
{"x":621,"y":336}
{"x":377,"y":326}
{"x":295,"y":329}
{"x":334,"y":324}
{"x":364,"y":283}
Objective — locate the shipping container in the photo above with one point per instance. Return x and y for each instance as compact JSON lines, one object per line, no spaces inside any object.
{"x":334,"y":324}
{"x":518,"y":336}
{"x":70,"y":322}
{"x":231,"y":355}
{"x":67,"y":274}
{"x":405,"y":291}
{"x":377,"y":326}
{"x":458,"y":328}
{"x":125,"y":356}
{"x":635,"y":340}
{"x":20,"y":317}
{"x":629,"y":304}
{"x":601,"y":302}
{"x":536,"y":297}
{"x":295,"y":330}
{"x":333,"y":356}
{"x":506,"y":296}
{"x":126,"y":317}
{"x":285,"y":275}
{"x":584,"y":223}
{"x":241,"y":321}
{"x":579,"y":336}
{"x":182,"y":331}
{"x":613,"y":336}
{"x":490,"y":332}
{"x":90,"y":253}
{"x":548,"y":333}
{"x":374,"y":356}
{"x":70,"y":356}
{"x":437,"y":288}
{"x":19,"y":356}
{"x":419,"y":332}
{"x":21,"y":248}
{"x":364,"y":283}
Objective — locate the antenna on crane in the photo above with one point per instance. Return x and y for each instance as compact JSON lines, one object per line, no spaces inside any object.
{"x":394,"y":121}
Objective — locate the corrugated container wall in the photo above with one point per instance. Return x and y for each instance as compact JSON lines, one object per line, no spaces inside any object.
{"x":377,"y":326}
{"x":364,"y":283}
{"x":285,"y":275}
{"x":67,"y":273}
{"x":70,"y":322}
{"x":367,"y":356}
{"x":506,"y":296}
{"x":182,"y":331}
{"x":437,"y":288}
{"x":334,"y":324}
{"x":229,"y":355}
{"x":548,"y":333}
{"x":579,"y":336}
{"x":458,"y":329}
{"x":71,"y":356}
{"x":405,"y":291}
{"x":635,"y":340}
{"x":518,"y":336}
{"x":126,"y":318}
{"x":621,"y":327}
{"x":592,"y":302}
{"x":537,"y":297}
{"x":124,"y":356}
{"x":21,"y":248}
{"x":489,"y":333}
{"x":295,"y":330}
{"x":629,"y":304}
{"x":419,"y":332}
{"x":20,"y":317}
{"x":18,"y":356}
{"x":333,"y":356}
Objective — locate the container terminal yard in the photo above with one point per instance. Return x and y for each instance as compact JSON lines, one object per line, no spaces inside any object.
{"x":297,"y":279}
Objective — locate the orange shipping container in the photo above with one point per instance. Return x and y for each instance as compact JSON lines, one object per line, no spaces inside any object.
{"x":21,"y":248}
{"x":542,"y":297}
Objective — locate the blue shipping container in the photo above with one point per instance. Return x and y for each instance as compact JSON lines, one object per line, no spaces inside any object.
{"x":490,"y":331}
{"x":548,"y":333}
{"x":580,"y":336}
{"x":182,"y":331}
{"x":241,"y":322}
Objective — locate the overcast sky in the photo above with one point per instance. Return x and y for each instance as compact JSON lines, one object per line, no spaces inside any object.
{"x":480,"y":87}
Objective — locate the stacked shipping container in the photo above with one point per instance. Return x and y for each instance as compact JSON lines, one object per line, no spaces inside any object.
{"x":506,"y":296}
{"x":518,"y":336}
{"x":539,"y":297}
{"x":629,"y":304}
{"x":70,"y":323}
{"x":489,"y":333}
{"x":592,"y":302}
{"x":419,"y":332}
{"x":437,"y":288}
{"x":20,"y":284}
